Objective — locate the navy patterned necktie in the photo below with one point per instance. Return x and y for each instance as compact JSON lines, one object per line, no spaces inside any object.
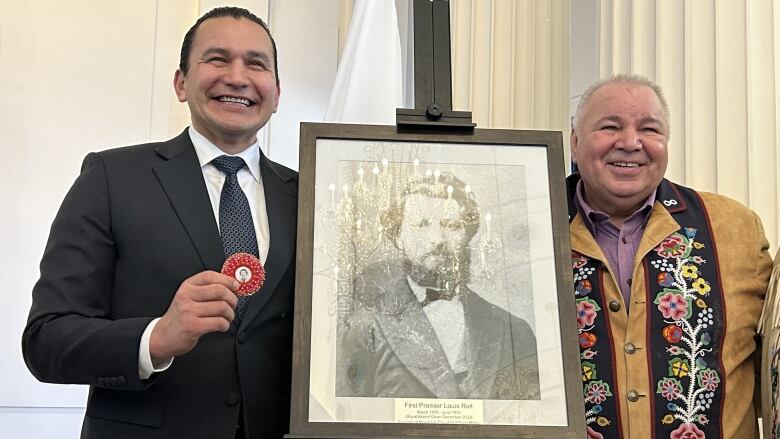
{"x":236,"y":227}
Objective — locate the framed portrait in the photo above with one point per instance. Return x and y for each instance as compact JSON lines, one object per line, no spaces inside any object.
{"x":433,"y":286}
{"x":769,"y":328}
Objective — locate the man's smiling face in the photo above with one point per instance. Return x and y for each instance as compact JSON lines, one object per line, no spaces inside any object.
{"x":230,"y":86}
{"x":620,"y":147}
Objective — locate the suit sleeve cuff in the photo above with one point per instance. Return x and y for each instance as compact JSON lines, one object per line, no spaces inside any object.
{"x":145,"y":366}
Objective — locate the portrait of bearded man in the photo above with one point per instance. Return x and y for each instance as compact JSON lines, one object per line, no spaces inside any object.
{"x":417,"y":329}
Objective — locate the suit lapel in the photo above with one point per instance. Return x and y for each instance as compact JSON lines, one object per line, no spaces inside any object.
{"x":660,"y":225}
{"x":486,"y":341}
{"x":182,"y":180}
{"x":281,"y":208}
{"x":414,"y":342}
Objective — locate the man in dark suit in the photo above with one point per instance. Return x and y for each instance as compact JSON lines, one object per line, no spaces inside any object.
{"x":418,"y":330}
{"x":130,"y":298}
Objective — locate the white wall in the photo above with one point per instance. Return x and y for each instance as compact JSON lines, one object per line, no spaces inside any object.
{"x":84,"y":76}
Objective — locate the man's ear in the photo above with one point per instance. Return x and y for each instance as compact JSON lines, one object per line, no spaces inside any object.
{"x":573,"y":140}
{"x":178,"y":85}
{"x":278,"y":95}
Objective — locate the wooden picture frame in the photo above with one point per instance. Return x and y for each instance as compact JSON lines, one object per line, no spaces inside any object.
{"x":371,"y":357}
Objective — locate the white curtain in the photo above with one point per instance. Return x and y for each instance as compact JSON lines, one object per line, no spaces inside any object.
{"x":719,"y":63}
{"x":369,"y":81}
{"x":510,"y":61}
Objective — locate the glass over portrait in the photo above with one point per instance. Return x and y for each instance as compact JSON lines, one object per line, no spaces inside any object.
{"x":425,"y":276}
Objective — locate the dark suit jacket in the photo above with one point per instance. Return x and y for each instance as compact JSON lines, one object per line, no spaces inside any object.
{"x":136,"y":223}
{"x":388,"y":348}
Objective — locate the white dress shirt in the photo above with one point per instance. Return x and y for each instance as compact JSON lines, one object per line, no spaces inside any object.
{"x":449,"y":323}
{"x":251,"y":183}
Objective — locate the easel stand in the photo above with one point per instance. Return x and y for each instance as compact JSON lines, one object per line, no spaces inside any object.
{"x":432,"y":73}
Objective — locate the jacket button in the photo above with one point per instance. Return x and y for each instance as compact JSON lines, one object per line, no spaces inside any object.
{"x":232,"y":399}
{"x":121,"y":381}
{"x":630,"y":348}
{"x":614,"y":306}
{"x":101,"y":381}
{"x":241,"y":338}
{"x":632,"y":396}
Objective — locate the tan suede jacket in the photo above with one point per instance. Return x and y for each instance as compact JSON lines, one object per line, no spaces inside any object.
{"x":745,"y":266}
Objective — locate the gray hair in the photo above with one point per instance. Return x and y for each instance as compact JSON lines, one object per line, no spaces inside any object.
{"x":623,"y":78}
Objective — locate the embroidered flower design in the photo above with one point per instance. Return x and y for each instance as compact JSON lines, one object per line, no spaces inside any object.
{"x":593,"y":434}
{"x":705,"y":400}
{"x":687,"y":431}
{"x":705,"y":317}
{"x":702,"y":286}
{"x":679,"y":367}
{"x":586,"y":312}
{"x":597,"y":392}
{"x":672,"y":333}
{"x":673,"y":246}
{"x":587,"y":340}
{"x":588,"y":371}
{"x":587,"y":354}
{"x":689,"y":385}
{"x":602,"y":421}
{"x":583,"y":287}
{"x":674,"y":350}
{"x":661,"y":264}
{"x":669,"y":388}
{"x":672,"y":305}
{"x":582,"y":273}
{"x":577,"y":260}
{"x":690,"y":271}
{"x":665,"y":280}
{"x":708,"y":379}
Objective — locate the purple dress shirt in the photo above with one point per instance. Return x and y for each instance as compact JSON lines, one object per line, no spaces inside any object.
{"x":618,"y":244}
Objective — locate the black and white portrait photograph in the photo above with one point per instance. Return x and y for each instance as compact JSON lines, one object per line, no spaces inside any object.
{"x":414,"y":327}
{"x":433,"y":280}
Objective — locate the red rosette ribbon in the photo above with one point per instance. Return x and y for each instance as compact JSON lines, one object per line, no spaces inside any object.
{"x":247,"y":270}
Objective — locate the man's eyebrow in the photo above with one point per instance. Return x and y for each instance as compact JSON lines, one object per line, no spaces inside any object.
{"x":618,"y":118}
{"x":651,"y":119}
{"x":610,"y":118}
{"x":214,"y":51}
{"x":645,"y":120}
{"x":252,"y":54}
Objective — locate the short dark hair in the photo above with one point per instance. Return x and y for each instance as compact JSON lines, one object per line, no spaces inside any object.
{"x":224,"y":11}
{"x":393,"y":217}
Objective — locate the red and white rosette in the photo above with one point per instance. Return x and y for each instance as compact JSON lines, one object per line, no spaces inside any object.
{"x":247,"y":270}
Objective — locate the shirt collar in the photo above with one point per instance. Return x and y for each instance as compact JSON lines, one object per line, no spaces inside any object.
{"x":419,"y":291}
{"x":589,"y":214}
{"x":208,"y":151}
